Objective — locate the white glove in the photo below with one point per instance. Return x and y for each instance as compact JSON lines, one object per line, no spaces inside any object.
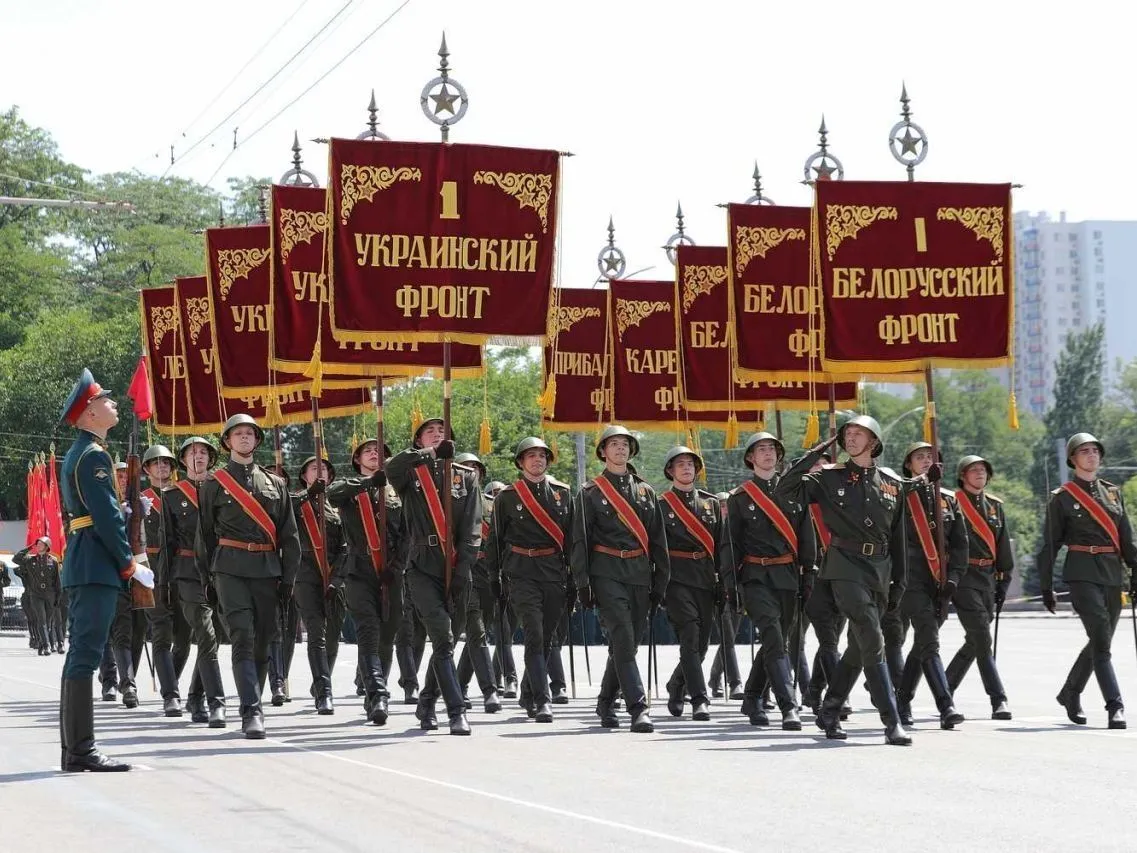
{"x":142,"y":571}
{"x":147,"y":505}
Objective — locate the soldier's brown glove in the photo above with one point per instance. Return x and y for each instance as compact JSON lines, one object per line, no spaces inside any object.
{"x":378,"y":480}
{"x":444,"y":449}
{"x":1049,"y":601}
{"x":894,"y":595}
{"x":317,"y":488}
{"x":936,"y":472}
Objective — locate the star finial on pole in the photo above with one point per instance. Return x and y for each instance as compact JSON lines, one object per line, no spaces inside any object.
{"x":910,"y":148}
{"x":822,"y":163}
{"x":610,"y":260}
{"x":444,"y":92}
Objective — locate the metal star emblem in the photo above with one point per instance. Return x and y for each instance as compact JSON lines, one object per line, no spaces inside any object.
{"x":824,"y":170}
{"x":908,"y":142}
{"x":612,"y":263}
{"x":444,"y":100}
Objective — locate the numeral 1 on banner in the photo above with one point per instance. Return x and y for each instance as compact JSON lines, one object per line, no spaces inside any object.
{"x":449,"y":195}
{"x":921,"y":235}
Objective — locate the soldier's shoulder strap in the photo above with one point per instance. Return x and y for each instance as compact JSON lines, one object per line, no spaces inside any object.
{"x":553,"y":481}
{"x":947,"y":493}
{"x":993,"y":498}
{"x":704,"y":494}
{"x":888,"y":472}
{"x":834,"y":466}
{"x":591,"y":484}
{"x":508,"y":487}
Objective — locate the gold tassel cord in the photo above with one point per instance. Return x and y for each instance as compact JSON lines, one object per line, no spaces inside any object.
{"x":760,"y":424}
{"x":1014,"y":412}
{"x":416,"y":416}
{"x":485,"y":439}
{"x":731,"y":440}
{"x":812,"y":430}
{"x":547,"y":399}
{"x":929,"y":413}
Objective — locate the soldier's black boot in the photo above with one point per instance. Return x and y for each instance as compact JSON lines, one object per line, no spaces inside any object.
{"x":78,"y":725}
{"x":276,"y":671}
{"x":676,"y":691}
{"x":1072,"y":702}
{"x":937,"y":681}
{"x":209,"y":672}
{"x":632,"y":684}
{"x":447,"y":676}
{"x":894,"y":657}
{"x":957,"y":669}
{"x":993,"y":685}
{"x":536,"y":678}
{"x":465,"y":673}
{"x":694,"y":683}
{"x":168,"y":682}
{"x":1110,"y":692}
{"x":504,"y":652}
{"x":249,"y":690}
{"x":427,"y":699}
{"x":558,"y":687}
{"x":604,"y":701}
{"x":482,"y":660}
{"x":376,"y":705}
{"x":408,"y":674}
{"x":752,"y":705}
{"x":880,"y":686}
{"x":321,"y":679}
{"x":782,"y":685}
{"x":824,"y":667}
{"x":386,"y":651}
{"x":126,"y":685}
{"x":906,"y":689}
{"x":803,"y":677}
{"x":841,"y":681}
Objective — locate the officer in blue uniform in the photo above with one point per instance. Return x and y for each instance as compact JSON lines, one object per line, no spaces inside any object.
{"x":98,"y":562}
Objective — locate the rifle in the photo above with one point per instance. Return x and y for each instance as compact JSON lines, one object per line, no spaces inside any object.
{"x":141,"y":598}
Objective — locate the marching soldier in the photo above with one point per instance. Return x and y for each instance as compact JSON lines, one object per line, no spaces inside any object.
{"x":925,"y":596}
{"x":862,"y":505}
{"x":40,"y":573}
{"x":410,"y":645}
{"x":693,"y":522}
{"x":769,"y":551}
{"x":171,"y":632}
{"x":319,"y":593}
{"x":620,"y":564}
{"x":373,"y":566}
{"x":1087,"y":515}
{"x":249,"y":549}
{"x":439,"y":594}
{"x":525,"y":558}
{"x":983,"y":587}
{"x":186,"y":593}
{"x":727,"y":628}
{"x":476,"y":658}
{"x":128,"y":631}
{"x":97,"y":562}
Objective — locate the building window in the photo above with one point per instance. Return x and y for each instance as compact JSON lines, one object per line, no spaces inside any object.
{"x":1101,"y":303}
{"x":1060,"y":271}
{"x":1097,"y":251}
{"x":1061,"y":321}
{"x":1101,"y":285}
{"x":1076,"y":322}
{"x":1099,"y":269}
{"x":1057,"y":236}
{"x":1061,"y":287}
{"x":1074,"y":254}
{"x":1097,"y":235}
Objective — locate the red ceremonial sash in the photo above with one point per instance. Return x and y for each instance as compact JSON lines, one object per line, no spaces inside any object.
{"x":976,"y":520}
{"x":623,"y":510}
{"x":433,"y":503}
{"x":150,"y":493}
{"x":1097,"y":511}
{"x":189,"y":491}
{"x":309,"y":517}
{"x":485,"y":531}
{"x":695,"y":527}
{"x":248,"y":503}
{"x":924,"y":532}
{"x":773,"y":512}
{"x":819,"y":524}
{"x":540,"y":514}
{"x":370,"y":530}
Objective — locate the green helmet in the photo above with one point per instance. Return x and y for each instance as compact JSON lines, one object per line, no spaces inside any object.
{"x":240,"y":420}
{"x":765,"y":436}
{"x":120,"y":466}
{"x":864,"y":422}
{"x":677,"y":451}
{"x":912,"y":448}
{"x":722,"y":496}
{"x":966,"y":462}
{"x":493,"y":488}
{"x":190,"y":442}
{"x":613,"y":431}
{"x":472,"y":460}
{"x":355,"y":451}
{"x":424,"y":425}
{"x":530,"y":443}
{"x":157,"y":451}
{"x":304,"y":467}
{"x":1076,"y":441}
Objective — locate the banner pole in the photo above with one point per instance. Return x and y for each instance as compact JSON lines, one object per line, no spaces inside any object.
{"x":447,"y":468}
{"x":321,"y":521}
{"x":832,"y":410}
{"x":380,"y":434}
{"x":937,"y":502}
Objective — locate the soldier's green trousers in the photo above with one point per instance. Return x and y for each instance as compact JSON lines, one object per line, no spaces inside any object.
{"x":919,"y":606}
{"x":623,"y":616}
{"x":1099,"y":608}
{"x":249,"y":608}
{"x":975,"y":608}
{"x":862,"y":606}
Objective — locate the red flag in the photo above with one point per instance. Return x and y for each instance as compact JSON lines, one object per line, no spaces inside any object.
{"x":30,"y":536}
{"x":139,"y":391}
{"x":54,"y":510}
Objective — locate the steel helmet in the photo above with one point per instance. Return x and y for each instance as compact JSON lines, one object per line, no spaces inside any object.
{"x":355,"y":451}
{"x":473,"y":461}
{"x":240,"y":420}
{"x":677,"y":451}
{"x":866,"y":422}
{"x":530,"y":443}
{"x":765,"y":436}
{"x":157,"y":451}
{"x":912,"y":448}
{"x":1076,"y":441}
{"x":304,"y":467}
{"x":966,"y":462}
{"x":418,"y":432}
{"x":190,"y":442}
{"x":613,"y":431}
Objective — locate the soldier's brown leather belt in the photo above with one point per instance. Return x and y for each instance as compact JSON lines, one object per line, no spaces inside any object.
{"x":184,"y":552}
{"x":865,"y":549}
{"x":1093,"y":549}
{"x":246,"y":546}
{"x":616,"y":552}
{"x":982,"y":562}
{"x":534,"y":552}
{"x":687,"y":555}
{"x":152,"y":551}
{"x":783,"y":560}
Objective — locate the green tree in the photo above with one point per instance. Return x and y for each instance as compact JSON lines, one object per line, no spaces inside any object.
{"x":245,"y":203}
{"x":30,"y":166}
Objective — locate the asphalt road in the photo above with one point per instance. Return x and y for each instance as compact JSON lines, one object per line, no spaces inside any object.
{"x":336,"y":784}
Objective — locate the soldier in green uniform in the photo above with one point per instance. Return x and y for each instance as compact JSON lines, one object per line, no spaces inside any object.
{"x":128,"y":631}
{"x":620,"y":564}
{"x":983,"y":587}
{"x":526,"y":560}
{"x":319,"y":593}
{"x":925,"y":597}
{"x":97,"y":562}
{"x":373,"y":566}
{"x":862,"y":505}
{"x":1088,"y":516}
{"x":39,"y":571}
{"x":194,"y":600}
{"x":481,"y":608}
{"x":767,"y":556}
{"x":249,"y":549}
{"x":726,"y":626}
{"x":693,"y":522}
{"x":409,"y":646}
{"x":417,"y":475}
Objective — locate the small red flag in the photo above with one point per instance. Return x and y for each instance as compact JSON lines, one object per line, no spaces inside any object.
{"x":139,"y":391}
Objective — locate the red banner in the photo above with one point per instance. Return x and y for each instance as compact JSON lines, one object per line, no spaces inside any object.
{"x":914,"y":274}
{"x":301,"y":320}
{"x":577,"y":360}
{"x":161,"y":342}
{"x":435,"y":242}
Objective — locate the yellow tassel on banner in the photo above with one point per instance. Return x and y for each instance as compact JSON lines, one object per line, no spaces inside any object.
{"x":547,"y":399}
{"x":731,"y":440}
{"x":273,"y":414}
{"x":812,"y":430}
{"x":760,"y":425}
{"x":553,"y":446}
{"x":485,"y":440}
{"x":1014,"y":412}
{"x":929,"y":411}
{"x":416,"y":417}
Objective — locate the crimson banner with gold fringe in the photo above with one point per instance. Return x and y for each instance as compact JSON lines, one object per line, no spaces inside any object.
{"x":300,"y":319}
{"x":577,"y":395}
{"x":436,"y":242}
{"x":161,"y":342}
{"x":914,"y":274}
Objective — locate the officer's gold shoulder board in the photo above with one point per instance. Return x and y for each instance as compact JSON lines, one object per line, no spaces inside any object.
{"x":993,"y":498}
{"x":839,"y":466}
{"x":508,"y":487}
{"x":888,"y":472}
{"x":553,"y":481}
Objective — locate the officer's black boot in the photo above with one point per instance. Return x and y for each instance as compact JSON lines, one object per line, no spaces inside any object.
{"x":504,"y":651}
{"x":894,"y":657}
{"x":321,"y":679}
{"x":752,"y":706}
{"x":1070,"y":696}
{"x":465,"y":673}
{"x":906,"y":689}
{"x":108,"y":673}
{"x":245,"y":674}
{"x":483,"y":668}
{"x":451,"y":694}
{"x":934,"y":672}
{"x":695,"y":685}
{"x":78,"y":717}
{"x":378,"y":699}
{"x":408,"y":674}
{"x":632,"y":685}
{"x":676,"y":690}
{"x":360,"y":690}
{"x":558,"y":687}
{"x":276,"y":671}
{"x":210,"y":680}
{"x":1110,"y":692}
{"x":168,"y":681}
{"x":386,"y":651}
{"x":841,"y":681}
{"x":884,"y":697}
{"x":427,"y":700}
{"x":608,"y":687}
{"x":803,"y":677}
{"x":957,"y":669}
{"x":993,"y":685}
{"x":716,"y":674}
{"x":781,"y":684}
{"x":824,"y":667}
{"x":126,"y":685}
{"x":537,"y":679}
